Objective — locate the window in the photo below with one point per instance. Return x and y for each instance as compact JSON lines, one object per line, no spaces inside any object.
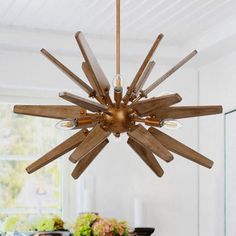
{"x":230,"y":175}
{"x":24,"y":139}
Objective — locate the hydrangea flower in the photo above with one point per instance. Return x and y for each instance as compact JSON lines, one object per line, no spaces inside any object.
{"x":93,"y":225}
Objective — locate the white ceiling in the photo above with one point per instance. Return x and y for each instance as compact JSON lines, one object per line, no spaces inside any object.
{"x":185,"y":23}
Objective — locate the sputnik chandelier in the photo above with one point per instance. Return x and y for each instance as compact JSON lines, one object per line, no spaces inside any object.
{"x":129,"y":113}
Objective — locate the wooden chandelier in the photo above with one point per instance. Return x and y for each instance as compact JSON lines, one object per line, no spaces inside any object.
{"x":128,"y":113}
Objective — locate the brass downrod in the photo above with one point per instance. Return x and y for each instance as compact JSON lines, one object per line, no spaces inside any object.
{"x":117,"y":39}
{"x":118,"y":88}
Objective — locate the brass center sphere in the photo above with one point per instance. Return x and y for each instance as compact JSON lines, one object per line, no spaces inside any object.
{"x":118,"y":120}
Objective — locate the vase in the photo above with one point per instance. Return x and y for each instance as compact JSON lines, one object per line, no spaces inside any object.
{"x":143,"y":231}
{"x":37,"y":233}
{"x":51,"y":233}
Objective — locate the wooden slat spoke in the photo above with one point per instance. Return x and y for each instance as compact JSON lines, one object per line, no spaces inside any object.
{"x":58,"y":151}
{"x":186,"y":111}
{"x":69,"y":73}
{"x":95,"y":137}
{"x":148,"y":105}
{"x":146,"y":139}
{"x":83,"y":102}
{"x":100,"y":81}
{"x":168,"y":73}
{"x":179,"y":148}
{"x":86,"y":161}
{"x":142,"y":68}
{"x":144,"y":77}
{"x":147,"y":156}
{"x":49,"y":111}
{"x":91,"y":78}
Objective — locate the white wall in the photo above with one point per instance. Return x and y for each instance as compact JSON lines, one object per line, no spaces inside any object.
{"x":172,"y":201}
{"x":217,"y":86}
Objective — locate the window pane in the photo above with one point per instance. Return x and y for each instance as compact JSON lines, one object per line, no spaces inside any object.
{"x":26,"y":135}
{"x":22,"y":140}
{"x":37,"y":191}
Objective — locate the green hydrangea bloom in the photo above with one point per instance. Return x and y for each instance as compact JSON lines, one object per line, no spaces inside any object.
{"x":83,"y":226}
{"x":45,"y":224}
{"x":10,"y":223}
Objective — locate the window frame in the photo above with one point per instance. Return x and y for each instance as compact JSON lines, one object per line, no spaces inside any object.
{"x":33,"y":96}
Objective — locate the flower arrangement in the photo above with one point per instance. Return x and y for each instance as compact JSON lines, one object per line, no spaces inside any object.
{"x":11,"y":223}
{"x":49,"y":224}
{"x":88,"y":224}
{"x":21,"y":224}
{"x":93,"y":225}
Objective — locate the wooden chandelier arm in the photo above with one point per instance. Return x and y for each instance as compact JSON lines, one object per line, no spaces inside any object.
{"x":145,"y":92}
{"x":68,"y":72}
{"x":131,"y":88}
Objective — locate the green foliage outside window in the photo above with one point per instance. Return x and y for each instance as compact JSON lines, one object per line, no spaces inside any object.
{"x":22,"y":140}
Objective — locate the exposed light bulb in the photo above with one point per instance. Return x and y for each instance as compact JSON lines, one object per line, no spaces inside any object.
{"x":66,"y":124}
{"x":118,"y":83}
{"x":171,"y":124}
